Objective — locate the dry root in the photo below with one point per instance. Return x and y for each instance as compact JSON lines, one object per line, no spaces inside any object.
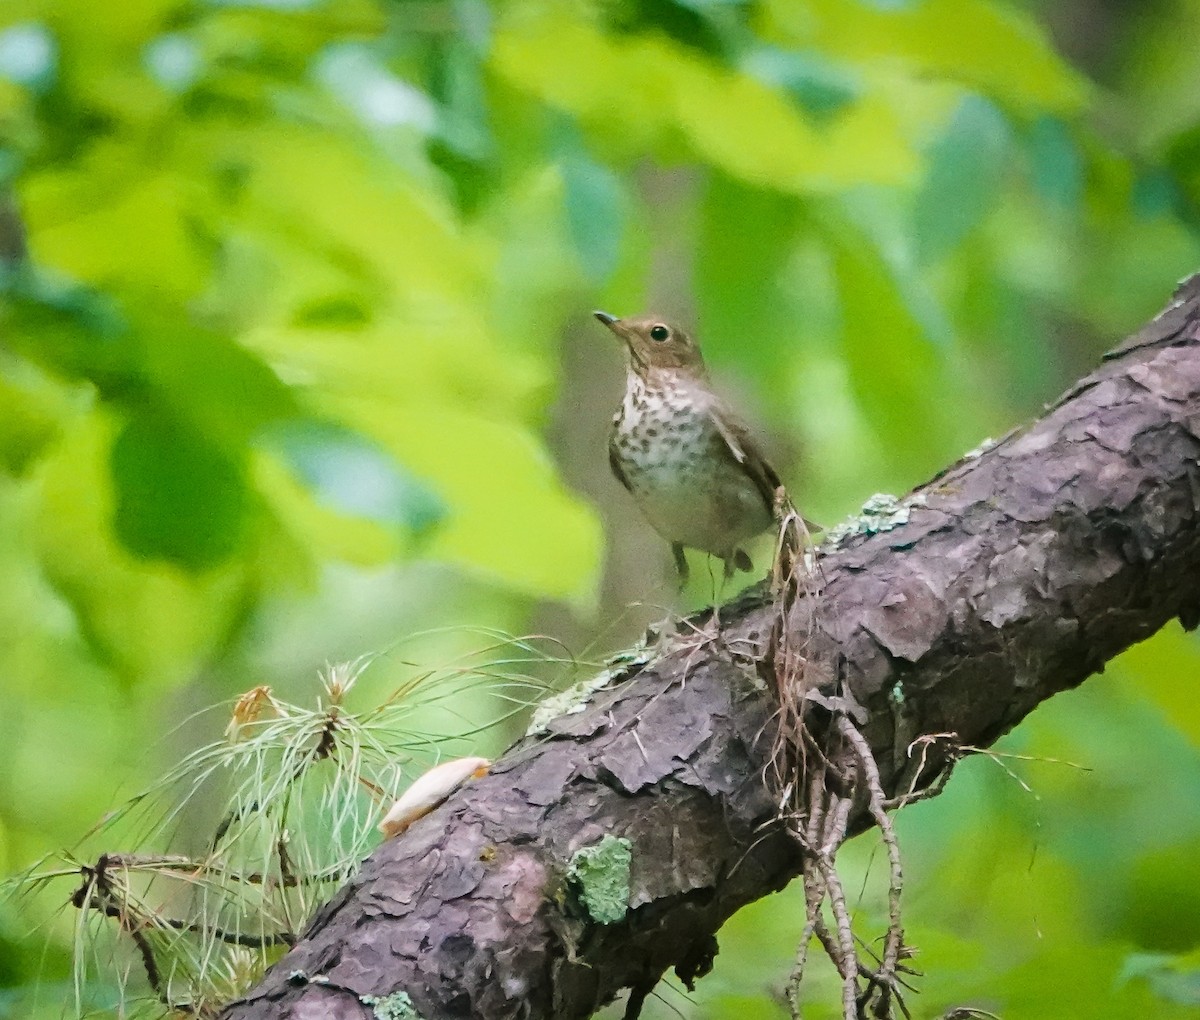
{"x":842,"y":776}
{"x":823,"y":771}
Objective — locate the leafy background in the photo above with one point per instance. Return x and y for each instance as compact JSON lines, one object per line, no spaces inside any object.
{"x":299,"y":366}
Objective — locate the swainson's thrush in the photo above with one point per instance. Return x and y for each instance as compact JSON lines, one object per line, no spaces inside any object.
{"x":688,"y":461}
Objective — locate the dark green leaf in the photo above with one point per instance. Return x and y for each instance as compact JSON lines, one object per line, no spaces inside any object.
{"x":223,"y":389}
{"x":179,"y":496}
{"x":746,"y":236}
{"x":819,"y":85}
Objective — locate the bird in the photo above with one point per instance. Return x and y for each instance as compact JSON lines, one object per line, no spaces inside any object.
{"x":689,"y":462}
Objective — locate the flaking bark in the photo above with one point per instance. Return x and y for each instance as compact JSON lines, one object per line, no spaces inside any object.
{"x":1026,"y":569}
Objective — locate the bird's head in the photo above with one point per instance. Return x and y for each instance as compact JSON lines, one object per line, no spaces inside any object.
{"x":654,"y":342}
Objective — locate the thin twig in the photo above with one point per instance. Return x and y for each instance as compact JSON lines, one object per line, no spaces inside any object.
{"x":894,"y":940}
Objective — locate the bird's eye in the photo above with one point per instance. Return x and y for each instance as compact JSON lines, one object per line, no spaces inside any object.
{"x":659,"y":333}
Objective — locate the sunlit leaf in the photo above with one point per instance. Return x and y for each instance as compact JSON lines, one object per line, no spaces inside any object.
{"x":311,"y":531}
{"x":115,"y":223}
{"x":509,"y":516}
{"x":1162,"y":670}
{"x":34,"y":410}
{"x":149,"y":619}
{"x":727,"y":118}
{"x":981,"y":43}
{"x":360,"y":217}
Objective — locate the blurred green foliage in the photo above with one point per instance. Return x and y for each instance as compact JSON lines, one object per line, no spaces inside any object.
{"x":278,"y":370}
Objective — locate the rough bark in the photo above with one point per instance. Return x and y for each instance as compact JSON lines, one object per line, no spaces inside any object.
{"x":1028,"y":566}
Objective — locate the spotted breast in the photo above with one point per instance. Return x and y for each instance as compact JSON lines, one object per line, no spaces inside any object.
{"x":668,"y":450}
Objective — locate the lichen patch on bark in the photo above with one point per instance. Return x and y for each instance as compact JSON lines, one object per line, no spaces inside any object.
{"x":600,"y":876}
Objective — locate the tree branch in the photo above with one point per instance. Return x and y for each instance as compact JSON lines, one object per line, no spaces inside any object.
{"x":1019,"y":572}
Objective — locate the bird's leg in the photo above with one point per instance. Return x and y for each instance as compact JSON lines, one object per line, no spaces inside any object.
{"x":717,"y":588}
{"x":681,"y":564}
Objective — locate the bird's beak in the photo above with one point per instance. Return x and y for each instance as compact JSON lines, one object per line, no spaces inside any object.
{"x":616,"y":325}
{"x":621,"y":332}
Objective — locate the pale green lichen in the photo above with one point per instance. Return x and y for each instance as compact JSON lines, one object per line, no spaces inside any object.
{"x":882,"y":512}
{"x":980,"y":450}
{"x":600,"y":874}
{"x":576,"y":697}
{"x":897,"y":693}
{"x":569,"y":702}
{"x":396,"y":1006}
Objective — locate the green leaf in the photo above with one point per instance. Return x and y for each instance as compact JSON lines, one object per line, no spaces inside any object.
{"x":727,"y":118}
{"x":982,"y":44}
{"x":874,"y":219}
{"x":354,"y":476}
{"x":965,"y":168}
{"x":465,"y":147}
{"x":111,"y":221}
{"x":1068,"y":974}
{"x":891,"y":335}
{"x":353,"y":235}
{"x":72,"y":330}
{"x":820,"y":86}
{"x":1172,"y":978}
{"x":34,"y":409}
{"x":1162,"y":670}
{"x":1057,"y":165}
{"x":1161,"y":909}
{"x":179,"y":496}
{"x":222,"y":389}
{"x":740,"y":279}
{"x":508,"y":515}
{"x":595,"y":214}
{"x":150,"y":620}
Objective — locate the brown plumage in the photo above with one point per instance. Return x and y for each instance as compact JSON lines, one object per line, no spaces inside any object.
{"x":688,"y":460}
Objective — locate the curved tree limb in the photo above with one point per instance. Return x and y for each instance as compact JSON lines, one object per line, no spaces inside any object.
{"x":1019,"y":572}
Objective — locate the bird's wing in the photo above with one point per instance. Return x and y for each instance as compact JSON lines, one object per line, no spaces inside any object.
{"x":743,"y":449}
{"x":614,"y":462}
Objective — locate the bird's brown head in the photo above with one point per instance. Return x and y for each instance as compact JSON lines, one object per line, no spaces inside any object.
{"x":655,"y":342}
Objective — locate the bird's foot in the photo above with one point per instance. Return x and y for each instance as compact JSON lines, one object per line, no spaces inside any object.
{"x":681,"y":564}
